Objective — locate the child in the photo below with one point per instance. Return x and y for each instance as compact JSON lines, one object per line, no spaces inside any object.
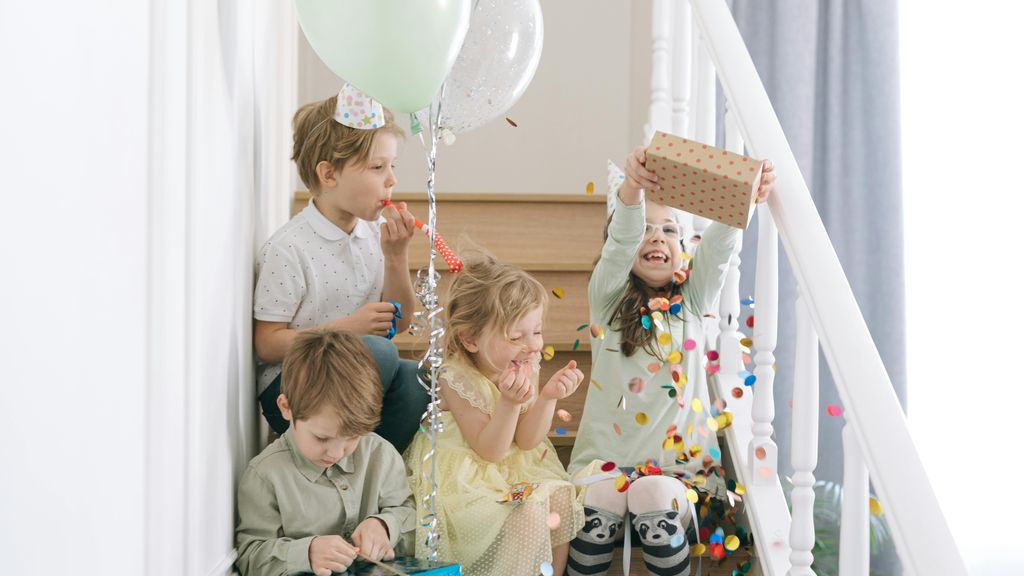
{"x":338,"y":263}
{"x":628,"y":412}
{"x":504,"y":504}
{"x":329,"y":488}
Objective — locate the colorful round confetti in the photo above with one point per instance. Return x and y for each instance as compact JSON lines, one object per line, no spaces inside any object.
{"x":747,"y":342}
{"x":636,"y":385}
{"x":676,"y":541}
{"x":696,"y":405}
{"x":698,"y":549}
{"x":653,"y":367}
{"x":641,"y":418}
{"x":749,"y":380}
{"x":617,"y":428}
{"x":674,"y":357}
{"x":622,"y":483}
{"x":558,"y":292}
{"x":689,"y":344}
{"x":834,"y":410}
{"x":596,"y":331}
{"x":664,"y":338}
{"x":590,"y":188}
{"x":545,"y":567}
{"x":607,"y":466}
{"x":564,"y":415}
{"x":549,"y":352}
{"x":760,"y":453}
{"x":875,"y":506}
{"x":732,"y":543}
{"x":750,"y":321}
{"x":560,"y":431}
{"x":712,"y":355}
{"x":691,"y":495}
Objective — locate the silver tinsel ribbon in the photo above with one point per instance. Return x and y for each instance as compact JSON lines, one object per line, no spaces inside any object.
{"x":430,"y":320}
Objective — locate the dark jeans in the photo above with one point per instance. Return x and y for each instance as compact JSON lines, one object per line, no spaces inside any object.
{"x":404,"y":399}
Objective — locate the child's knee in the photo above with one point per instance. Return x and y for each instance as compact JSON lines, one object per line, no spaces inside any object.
{"x":386,"y":355}
{"x":653,"y":493}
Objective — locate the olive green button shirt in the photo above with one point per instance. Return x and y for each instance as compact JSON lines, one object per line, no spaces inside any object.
{"x":284,"y":500}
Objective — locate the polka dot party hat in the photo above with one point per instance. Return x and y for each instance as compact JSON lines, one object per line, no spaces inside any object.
{"x":357,"y":110}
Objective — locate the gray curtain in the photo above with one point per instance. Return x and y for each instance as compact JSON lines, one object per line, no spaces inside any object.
{"x":830,"y":69}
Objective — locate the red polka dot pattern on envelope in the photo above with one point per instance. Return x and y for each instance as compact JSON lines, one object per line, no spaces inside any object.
{"x":706,"y":183}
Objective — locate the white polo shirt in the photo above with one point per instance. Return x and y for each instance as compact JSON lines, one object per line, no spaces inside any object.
{"x":310,"y":272}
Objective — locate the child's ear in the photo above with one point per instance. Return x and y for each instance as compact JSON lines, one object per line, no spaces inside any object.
{"x":469,"y":342}
{"x":282,"y":404}
{"x":326,"y":173}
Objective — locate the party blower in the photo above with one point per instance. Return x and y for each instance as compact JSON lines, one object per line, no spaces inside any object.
{"x":454,"y":264}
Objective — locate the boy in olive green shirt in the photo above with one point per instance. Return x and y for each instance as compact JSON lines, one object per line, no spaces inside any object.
{"x":329,"y":488}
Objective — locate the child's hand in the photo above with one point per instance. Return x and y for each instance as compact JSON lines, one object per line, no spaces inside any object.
{"x":328,"y":554}
{"x":563,"y":383}
{"x":516,"y":385}
{"x":767,"y":182}
{"x":637,"y":174}
{"x":371,"y":536}
{"x":396,"y":230}
{"x":373,"y":318}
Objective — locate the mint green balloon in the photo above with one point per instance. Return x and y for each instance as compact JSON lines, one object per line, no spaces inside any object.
{"x":396,"y":51}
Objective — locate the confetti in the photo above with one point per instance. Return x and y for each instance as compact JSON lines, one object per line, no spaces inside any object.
{"x":748,"y":301}
{"x":558,"y":292}
{"x":732,"y":543}
{"x":676,"y":541}
{"x":674,"y":357}
{"x":596,"y":331}
{"x":622,"y":403}
{"x":764,"y":472}
{"x":590,"y":188}
{"x":513,"y":124}
{"x":689,"y":344}
{"x":712,"y":424}
{"x":698,"y":549}
{"x":575,"y":344}
{"x":696,"y":405}
{"x":617,"y":428}
{"x":750,"y":321}
{"x":747,"y":342}
{"x":607,"y":466}
{"x":760,"y":453}
{"x":622,"y":483}
{"x":834,"y":410}
{"x":636,"y":385}
{"x":564,"y":415}
{"x":749,"y":380}
{"x":641,"y":418}
{"x":545,"y":567}
{"x":653,"y":367}
{"x":664,"y":339}
{"x":713,"y":355}
{"x":875,"y":506}
{"x":691,"y":495}
{"x":596,"y":385}
{"x":544,"y":455}
{"x":675,"y":505}
{"x":645,"y":321}
{"x":715,"y":454}
{"x":554,"y":520}
{"x":581,"y":327}
{"x":560,"y":431}
{"x":549,"y":352}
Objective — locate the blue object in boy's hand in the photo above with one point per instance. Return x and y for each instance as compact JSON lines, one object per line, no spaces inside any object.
{"x":394,"y":319}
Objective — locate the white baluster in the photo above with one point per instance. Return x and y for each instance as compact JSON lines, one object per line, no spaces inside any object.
{"x":659,"y":115}
{"x":805,"y":443}
{"x":763,"y":454}
{"x":682,"y":69}
{"x":854,"y":550}
{"x":704,"y":110}
{"x":729,"y":310}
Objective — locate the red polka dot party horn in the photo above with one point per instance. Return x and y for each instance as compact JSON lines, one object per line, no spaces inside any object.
{"x":454,"y":264}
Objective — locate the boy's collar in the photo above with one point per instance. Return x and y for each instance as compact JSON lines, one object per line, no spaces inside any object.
{"x":309,"y":470}
{"x":327,"y":229}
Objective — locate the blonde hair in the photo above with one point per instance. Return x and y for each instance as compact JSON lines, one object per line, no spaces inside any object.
{"x":317,"y":137}
{"x":487,"y":296}
{"x":333,"y":370}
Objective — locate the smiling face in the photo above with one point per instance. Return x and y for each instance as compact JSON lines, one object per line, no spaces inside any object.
{"x":495,"y":350}
{"x":661,"y":252}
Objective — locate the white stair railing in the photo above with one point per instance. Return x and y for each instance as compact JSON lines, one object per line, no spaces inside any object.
{"x":922,"y":537}
{"x":703,"y":39}
{"x":805,"y":444}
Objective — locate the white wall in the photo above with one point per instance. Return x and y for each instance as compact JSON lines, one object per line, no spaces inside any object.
{"x":587,"y":103}
{"x":139,"y":167}
{"x":962,"y":124}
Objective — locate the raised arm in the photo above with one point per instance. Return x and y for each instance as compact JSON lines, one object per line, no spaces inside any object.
{"x":535,"y":422}
{"x":491,"y":435}
{"x":396,"y":230}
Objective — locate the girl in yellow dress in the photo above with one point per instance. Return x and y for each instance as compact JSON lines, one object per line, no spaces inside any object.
{"x":505,"y":504}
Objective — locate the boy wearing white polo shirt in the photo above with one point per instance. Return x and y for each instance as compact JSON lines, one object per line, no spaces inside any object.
{"x":339,"y":263}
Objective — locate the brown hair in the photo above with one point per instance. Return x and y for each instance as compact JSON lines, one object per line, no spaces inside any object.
{"x":626,"y":317}
{"x":317,"y":137}
{"x":487,"y":296}
{"x":333,"y":370}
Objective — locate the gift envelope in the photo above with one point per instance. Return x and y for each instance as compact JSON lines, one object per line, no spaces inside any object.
{"x":703,"y":180}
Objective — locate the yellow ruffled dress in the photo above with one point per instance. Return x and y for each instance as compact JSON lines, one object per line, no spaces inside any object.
{"x":487,"y":521}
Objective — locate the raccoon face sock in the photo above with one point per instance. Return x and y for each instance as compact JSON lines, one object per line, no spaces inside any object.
{"x":590,"y":552}
{"x":659,"y":513}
